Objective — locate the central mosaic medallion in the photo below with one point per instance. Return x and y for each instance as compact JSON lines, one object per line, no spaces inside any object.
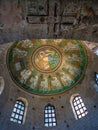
{"x":46,"y":59}
{"x":47,"y":66}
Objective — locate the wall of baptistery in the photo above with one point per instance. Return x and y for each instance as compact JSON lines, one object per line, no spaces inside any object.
{"x":22,"y":19}
{"x":49,"y":19}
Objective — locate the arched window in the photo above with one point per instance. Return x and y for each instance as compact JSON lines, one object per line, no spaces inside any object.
{"x":19,"y":112}
{"x":96,"y":50}
{"x":1,"y":84}
{"x":96,"y":76}
{"x":78,"y":106}
{"x":50,"y":116}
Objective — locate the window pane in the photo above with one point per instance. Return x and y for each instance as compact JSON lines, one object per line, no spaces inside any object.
{"x":46,"y":124}
{"x":49,"y":115}
{"x":46,"y":120}
{"x":79,"y":105}
{"x":18,"y":111}
{"x":49,"y":111}
{"x":11,"y":119}
{"x":52,"y":110}
{"x":78,"y":102}
{"x":46,"y":115}
{"x":22,"y":108}
{"x":54,"y":124}
{"x":13,"y":114}
{"x":14,"y":120}
{"x":82,"y":104}
{"x":81,"y":110}
{"x":15,"y":105}
{"x":53,"y":119}
{"x":79,"y":116}
{"x":81,"y":100}
{"x":16,"y":116}
{"x":21,"y":112}
{"x":76,"y":108}
{"x":84,"y":108}
{"x":20,"y":117}
{"x":53,"y":115}
{"x":50,"y":120}
{"x":75,"y":103}
{"x":14,"y":109}
{"x":50,"y":124}
{"x":46,"y":111}
{"x":78,"y":112}
{"x":19,"y":122}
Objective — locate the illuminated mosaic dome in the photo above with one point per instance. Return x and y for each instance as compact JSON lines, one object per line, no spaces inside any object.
{"x":46,"y":66}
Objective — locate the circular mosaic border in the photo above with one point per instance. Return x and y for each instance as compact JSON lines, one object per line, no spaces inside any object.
{"x":41,"y":92}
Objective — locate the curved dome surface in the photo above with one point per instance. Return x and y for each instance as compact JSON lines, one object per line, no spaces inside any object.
{"x":47,"y":66}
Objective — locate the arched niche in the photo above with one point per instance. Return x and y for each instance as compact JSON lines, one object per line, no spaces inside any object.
{"x":1,"y":84}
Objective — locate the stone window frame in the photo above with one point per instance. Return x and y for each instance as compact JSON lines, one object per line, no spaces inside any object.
{"x":50,"y":116}
{"x":18,"y":114}
{"x":78,"y":106}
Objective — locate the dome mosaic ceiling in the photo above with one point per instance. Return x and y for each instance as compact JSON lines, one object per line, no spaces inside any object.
{"x":46,"y":66}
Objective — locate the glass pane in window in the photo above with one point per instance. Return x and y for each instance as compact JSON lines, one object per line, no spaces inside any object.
{"x":81,"y":100}
{"x":49,"y":111}
{"x":52,"y":110}
{"x":16,"y":116}
{"x":20,"y":117}
{"x":46,"y":111}
{"x":53,"y":115}
{"x":76,"y":98}
{"x":49,"y":115}
{"x":79,"y":116}
{"x":11,"y":119}
{"x":21,"y":112}
{"x":46,"y":119}
{"x":79,"y":105}
{"x":46,"y":115}
{"x":50,"y":124}
{"x":75,"y":103}
{"x":15,"y":105}
{"x":18,"y":111}
{"x":81,"y":110}
{"x":46,"y":124}
{"x":14,"y":120}
{"x":19,"y":122}
{"x":54,"y":124}
{"x":22,"y":108}
{"x":78,"y":102}
{"x":14,"y":109}
{"x":19,"y":106}
{"x":53,"y":119}
{"x":13,"y":114}
{"x":76,"y":108}
{"x":82,"y":104}
{"x":78,"y":112}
